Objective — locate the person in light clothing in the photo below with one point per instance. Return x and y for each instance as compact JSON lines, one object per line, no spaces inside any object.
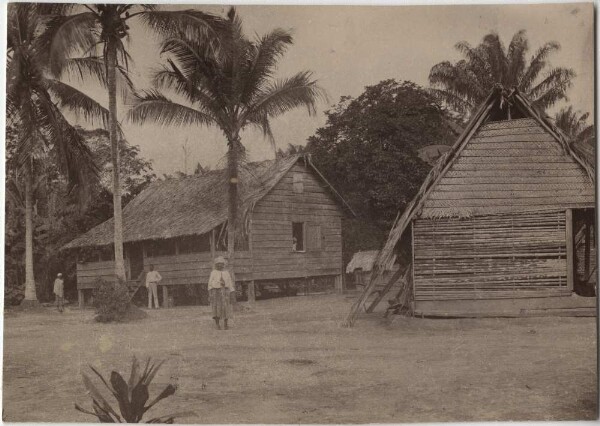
{"x":220,"y":286}
{"x":59,"y":292}
{"x":152,"y":280}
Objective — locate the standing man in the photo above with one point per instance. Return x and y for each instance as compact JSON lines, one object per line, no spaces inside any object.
{"x":59,"y":292}
{"x":220,"y":285}
{"x":152,"y":280}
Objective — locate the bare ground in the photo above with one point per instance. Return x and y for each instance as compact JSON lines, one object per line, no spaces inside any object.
{"x":289,"y":361}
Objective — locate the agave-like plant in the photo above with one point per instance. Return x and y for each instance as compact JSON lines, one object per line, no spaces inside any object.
{"x":131,"y":395}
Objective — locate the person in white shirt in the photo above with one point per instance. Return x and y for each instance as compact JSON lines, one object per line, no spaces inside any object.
{"x":152,"y":280}
{"x":220,"y":286}
{"x":59,"y":292}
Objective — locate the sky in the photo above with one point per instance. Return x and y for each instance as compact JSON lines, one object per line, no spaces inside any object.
{"x":350,"y":47}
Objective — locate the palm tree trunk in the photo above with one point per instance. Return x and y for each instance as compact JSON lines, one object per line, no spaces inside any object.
{"x":111,"y":61}
{"x":232,"y":178}
{"x":30,"y":293}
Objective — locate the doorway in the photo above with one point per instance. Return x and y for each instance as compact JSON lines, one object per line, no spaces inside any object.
{"x":584,"y":252}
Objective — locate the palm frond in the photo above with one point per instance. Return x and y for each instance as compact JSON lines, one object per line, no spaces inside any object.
{"x":264,"y":54}
{"x":93,"y":66}
{"x":552,"y":88}
{"x":78,"y":102}
{"x":516,"y":58}
{"x":284,"y":95}
{"x":536,"y":65}
{"x":154,"y":106}
{"x":66,"y":35}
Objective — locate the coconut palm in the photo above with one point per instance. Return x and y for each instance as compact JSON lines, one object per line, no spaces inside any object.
{"x":84,"y":29}
{"x":465,"y":84}
{"x":42,"y":133}
{"x":232,"y":88}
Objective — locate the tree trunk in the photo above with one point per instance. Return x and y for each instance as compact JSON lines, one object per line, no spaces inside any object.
{"x":232,"y":178}
{"x":30,"y":293}
{"x":111,"y":61}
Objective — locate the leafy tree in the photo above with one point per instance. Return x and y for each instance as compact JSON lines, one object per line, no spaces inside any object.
{"x":368,"y":150}
{"x":81,"y":30}
{"x":231,"y":87}
{"x":291,"y":149}
{"x":39,"y":135}
{"x":57,"y":219}
{"x":465,"y":84}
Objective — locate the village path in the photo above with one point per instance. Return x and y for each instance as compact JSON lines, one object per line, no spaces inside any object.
{"x":289,"y":361}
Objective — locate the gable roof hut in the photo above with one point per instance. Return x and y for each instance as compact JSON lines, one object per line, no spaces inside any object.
{"x":179,"y":225}
{"x":493,"y":222}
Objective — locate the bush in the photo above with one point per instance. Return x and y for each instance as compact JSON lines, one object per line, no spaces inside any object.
{"x":111,"y":300}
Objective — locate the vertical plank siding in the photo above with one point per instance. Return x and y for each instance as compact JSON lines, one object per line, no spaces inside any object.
{"x":487,"y":257}
{"x":272,"y":229}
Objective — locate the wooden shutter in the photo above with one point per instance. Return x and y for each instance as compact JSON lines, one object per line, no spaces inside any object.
{"x":298,"y":183}
{"x":313,"y":236}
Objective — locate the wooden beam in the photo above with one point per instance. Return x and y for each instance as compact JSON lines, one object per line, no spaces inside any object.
{"x":212,"y":244}
{"x":570,"y":251}
{"x":81,"y":299}
{"x":388,"y":286}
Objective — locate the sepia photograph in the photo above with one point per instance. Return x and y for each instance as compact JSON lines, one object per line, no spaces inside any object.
{"x":299,"y":214}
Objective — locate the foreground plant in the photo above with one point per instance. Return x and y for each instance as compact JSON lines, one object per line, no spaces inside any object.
{"x":131,"y":396}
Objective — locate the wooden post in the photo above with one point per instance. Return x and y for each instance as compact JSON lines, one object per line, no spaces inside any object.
{"x":80,"y":298}
{"x":251,"y":293}
{"x":339,"y":287}
{"x":212,"y":244}
{"x":587,"y":250}
{"x":165,"y":296}
{"x":570,"y":252}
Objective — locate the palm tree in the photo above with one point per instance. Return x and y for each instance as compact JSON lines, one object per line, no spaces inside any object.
{"x":465,"y":84}
{"x":232,"y":87}
{"x":33,"y":108}
{"x":83,"y":29}
{"x":574,"y":125}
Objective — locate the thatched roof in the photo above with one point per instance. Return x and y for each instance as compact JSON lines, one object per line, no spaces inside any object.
{"x":362,"y":260}
{"x":193,"y":205}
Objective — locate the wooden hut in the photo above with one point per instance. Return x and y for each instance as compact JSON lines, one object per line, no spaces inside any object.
{"x":291,"y":229}
{"x":494,"y":225}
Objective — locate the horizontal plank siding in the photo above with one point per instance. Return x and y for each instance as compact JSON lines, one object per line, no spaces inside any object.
{"x":490,"y":256}
{"x":271,"y":226}
{"x":510,"y":166}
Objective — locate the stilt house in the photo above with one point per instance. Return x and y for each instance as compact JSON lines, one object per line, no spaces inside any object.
{"x":291,"y":229}
{"x":504,"y":220}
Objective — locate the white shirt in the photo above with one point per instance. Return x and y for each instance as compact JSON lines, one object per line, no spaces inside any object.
{"x":152,"y":277}
{"x":220,"y":279}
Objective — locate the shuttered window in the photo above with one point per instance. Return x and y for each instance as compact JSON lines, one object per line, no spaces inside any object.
{"x":313,"y":236}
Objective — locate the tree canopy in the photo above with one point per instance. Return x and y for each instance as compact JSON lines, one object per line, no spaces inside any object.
{"x":368,"y":150}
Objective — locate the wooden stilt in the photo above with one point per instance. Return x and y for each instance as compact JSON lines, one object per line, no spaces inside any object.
{"x":165,"y":293}
{"x":339,"y":284}
{"x":587,"y":250}
{"x":80,"y":298}
{"x":570,"y":251}
{"x":251,"y":293}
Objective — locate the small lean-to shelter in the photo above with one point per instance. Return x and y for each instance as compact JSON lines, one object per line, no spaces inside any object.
{"x":292,"y":229}
{"x":361,"y":266}
{"x":494,"y":225}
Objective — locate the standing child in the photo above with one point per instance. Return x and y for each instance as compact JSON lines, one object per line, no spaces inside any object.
{"x":59,"y":292}
{"x":220,"y":285}
{"x":152,"y":280}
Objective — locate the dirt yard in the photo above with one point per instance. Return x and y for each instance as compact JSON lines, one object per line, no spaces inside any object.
{"x":289,"y":361}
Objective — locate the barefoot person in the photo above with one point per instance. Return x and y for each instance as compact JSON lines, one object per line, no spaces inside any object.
{"x":152,"y":280}
{"x":219,"y":287}
{"x":59,"y":292}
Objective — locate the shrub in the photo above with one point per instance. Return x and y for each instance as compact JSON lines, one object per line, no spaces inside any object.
{"x":111,"y":300}
{"x":131,"y":396}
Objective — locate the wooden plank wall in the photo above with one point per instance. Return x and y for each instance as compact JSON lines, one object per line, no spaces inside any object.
{"x":193,"y":268}
{"x":509,"y":166}
{"x":89,"y":272}
{"x":490,"y":257}
{"x":272,"y":229}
